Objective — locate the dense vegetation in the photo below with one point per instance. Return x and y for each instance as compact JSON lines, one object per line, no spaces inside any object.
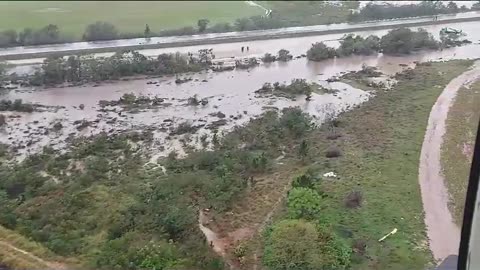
{"x":16,"y":105}
{"x":100,"y":204}
{"x":396,"y":41}
{"x":282,"y":55}
{"x":80,"y":69}
{"x":295,"y":88}
{"x":284,"y":14}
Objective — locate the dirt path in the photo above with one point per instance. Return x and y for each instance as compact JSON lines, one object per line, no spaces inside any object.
{"x":443,"y":234}
{"x":43,"y":263}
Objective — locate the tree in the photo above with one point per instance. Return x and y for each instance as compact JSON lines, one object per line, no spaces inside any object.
{"x":268,"y":58}
{"x":319,"y":51}
{"x":303,"y":203}
{"x":100,"y":31}
{"x":297,"y":244}
{"x":8,"y":38}
{"x":7,"y":213}
{"x":284,"y":55}
{"x":202,"y":25}
{"x":452,"y":7}
{"x":403,"y":41}
{"x":356,"y":44}
{"x":296,"y":121}
{"x":243,"y":24}
{"x":476,"y":6}
{"x":147,"y":32}
{"x":52,"y":31}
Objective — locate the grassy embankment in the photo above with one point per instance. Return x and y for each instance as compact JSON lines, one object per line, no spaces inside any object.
{"x":457,"y":148}
{"x":380,"y":145}
{"x":129,"y":16}
{"x":18,"y":252}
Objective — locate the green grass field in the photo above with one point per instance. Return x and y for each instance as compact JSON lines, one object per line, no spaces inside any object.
{"x":457,"y":148}
{"x":129,"y":16}
{"x":381,"y":144}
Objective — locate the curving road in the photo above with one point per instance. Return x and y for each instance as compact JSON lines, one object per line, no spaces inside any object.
{"x":442,"y":232}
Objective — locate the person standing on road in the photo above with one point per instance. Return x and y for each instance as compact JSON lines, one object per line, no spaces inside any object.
{"x":248,"y":48}
{"x":242,"y":49}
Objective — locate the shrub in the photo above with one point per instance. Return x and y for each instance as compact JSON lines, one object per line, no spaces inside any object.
{"x":306,"y":180}
{"x":303,"y":203}
{"x":17,"y":105}
{"x":184,"y":127}
{"x":220,"y":27}
{"x":296,"y":121}
{"x":268,"y":58}
{"x":297,"y":244}
{"x":319,"y":51}
{"x":284,"y":55}
{"x":333,"y":152}
{"x":57,"y":126}
{"x":100,"y":31}
{"x":355,"y":44}
{"x":354,"y":199}
{"x":202,"y":25}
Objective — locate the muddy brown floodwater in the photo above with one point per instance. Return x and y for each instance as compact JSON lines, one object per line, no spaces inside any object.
{"x":443,"y":233}
{"x":230,"y":92}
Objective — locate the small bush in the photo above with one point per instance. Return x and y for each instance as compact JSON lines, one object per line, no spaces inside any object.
{"x":333,"y":152}
{"x":303,"y":203}
{"x":354,"y":199}
{"x":183,"y":128}
{"x":268,"y":58}
{"x":100,"y":31}
{"x":57,"y":126}
{"x":319,"y":51}
{"x":240,"y":251}
{"x":284,"y":55}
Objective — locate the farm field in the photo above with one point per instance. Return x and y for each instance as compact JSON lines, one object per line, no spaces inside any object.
{"x":128,"y":16}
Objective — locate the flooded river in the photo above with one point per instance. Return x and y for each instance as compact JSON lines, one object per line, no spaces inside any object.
{"x":230,"y":92}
